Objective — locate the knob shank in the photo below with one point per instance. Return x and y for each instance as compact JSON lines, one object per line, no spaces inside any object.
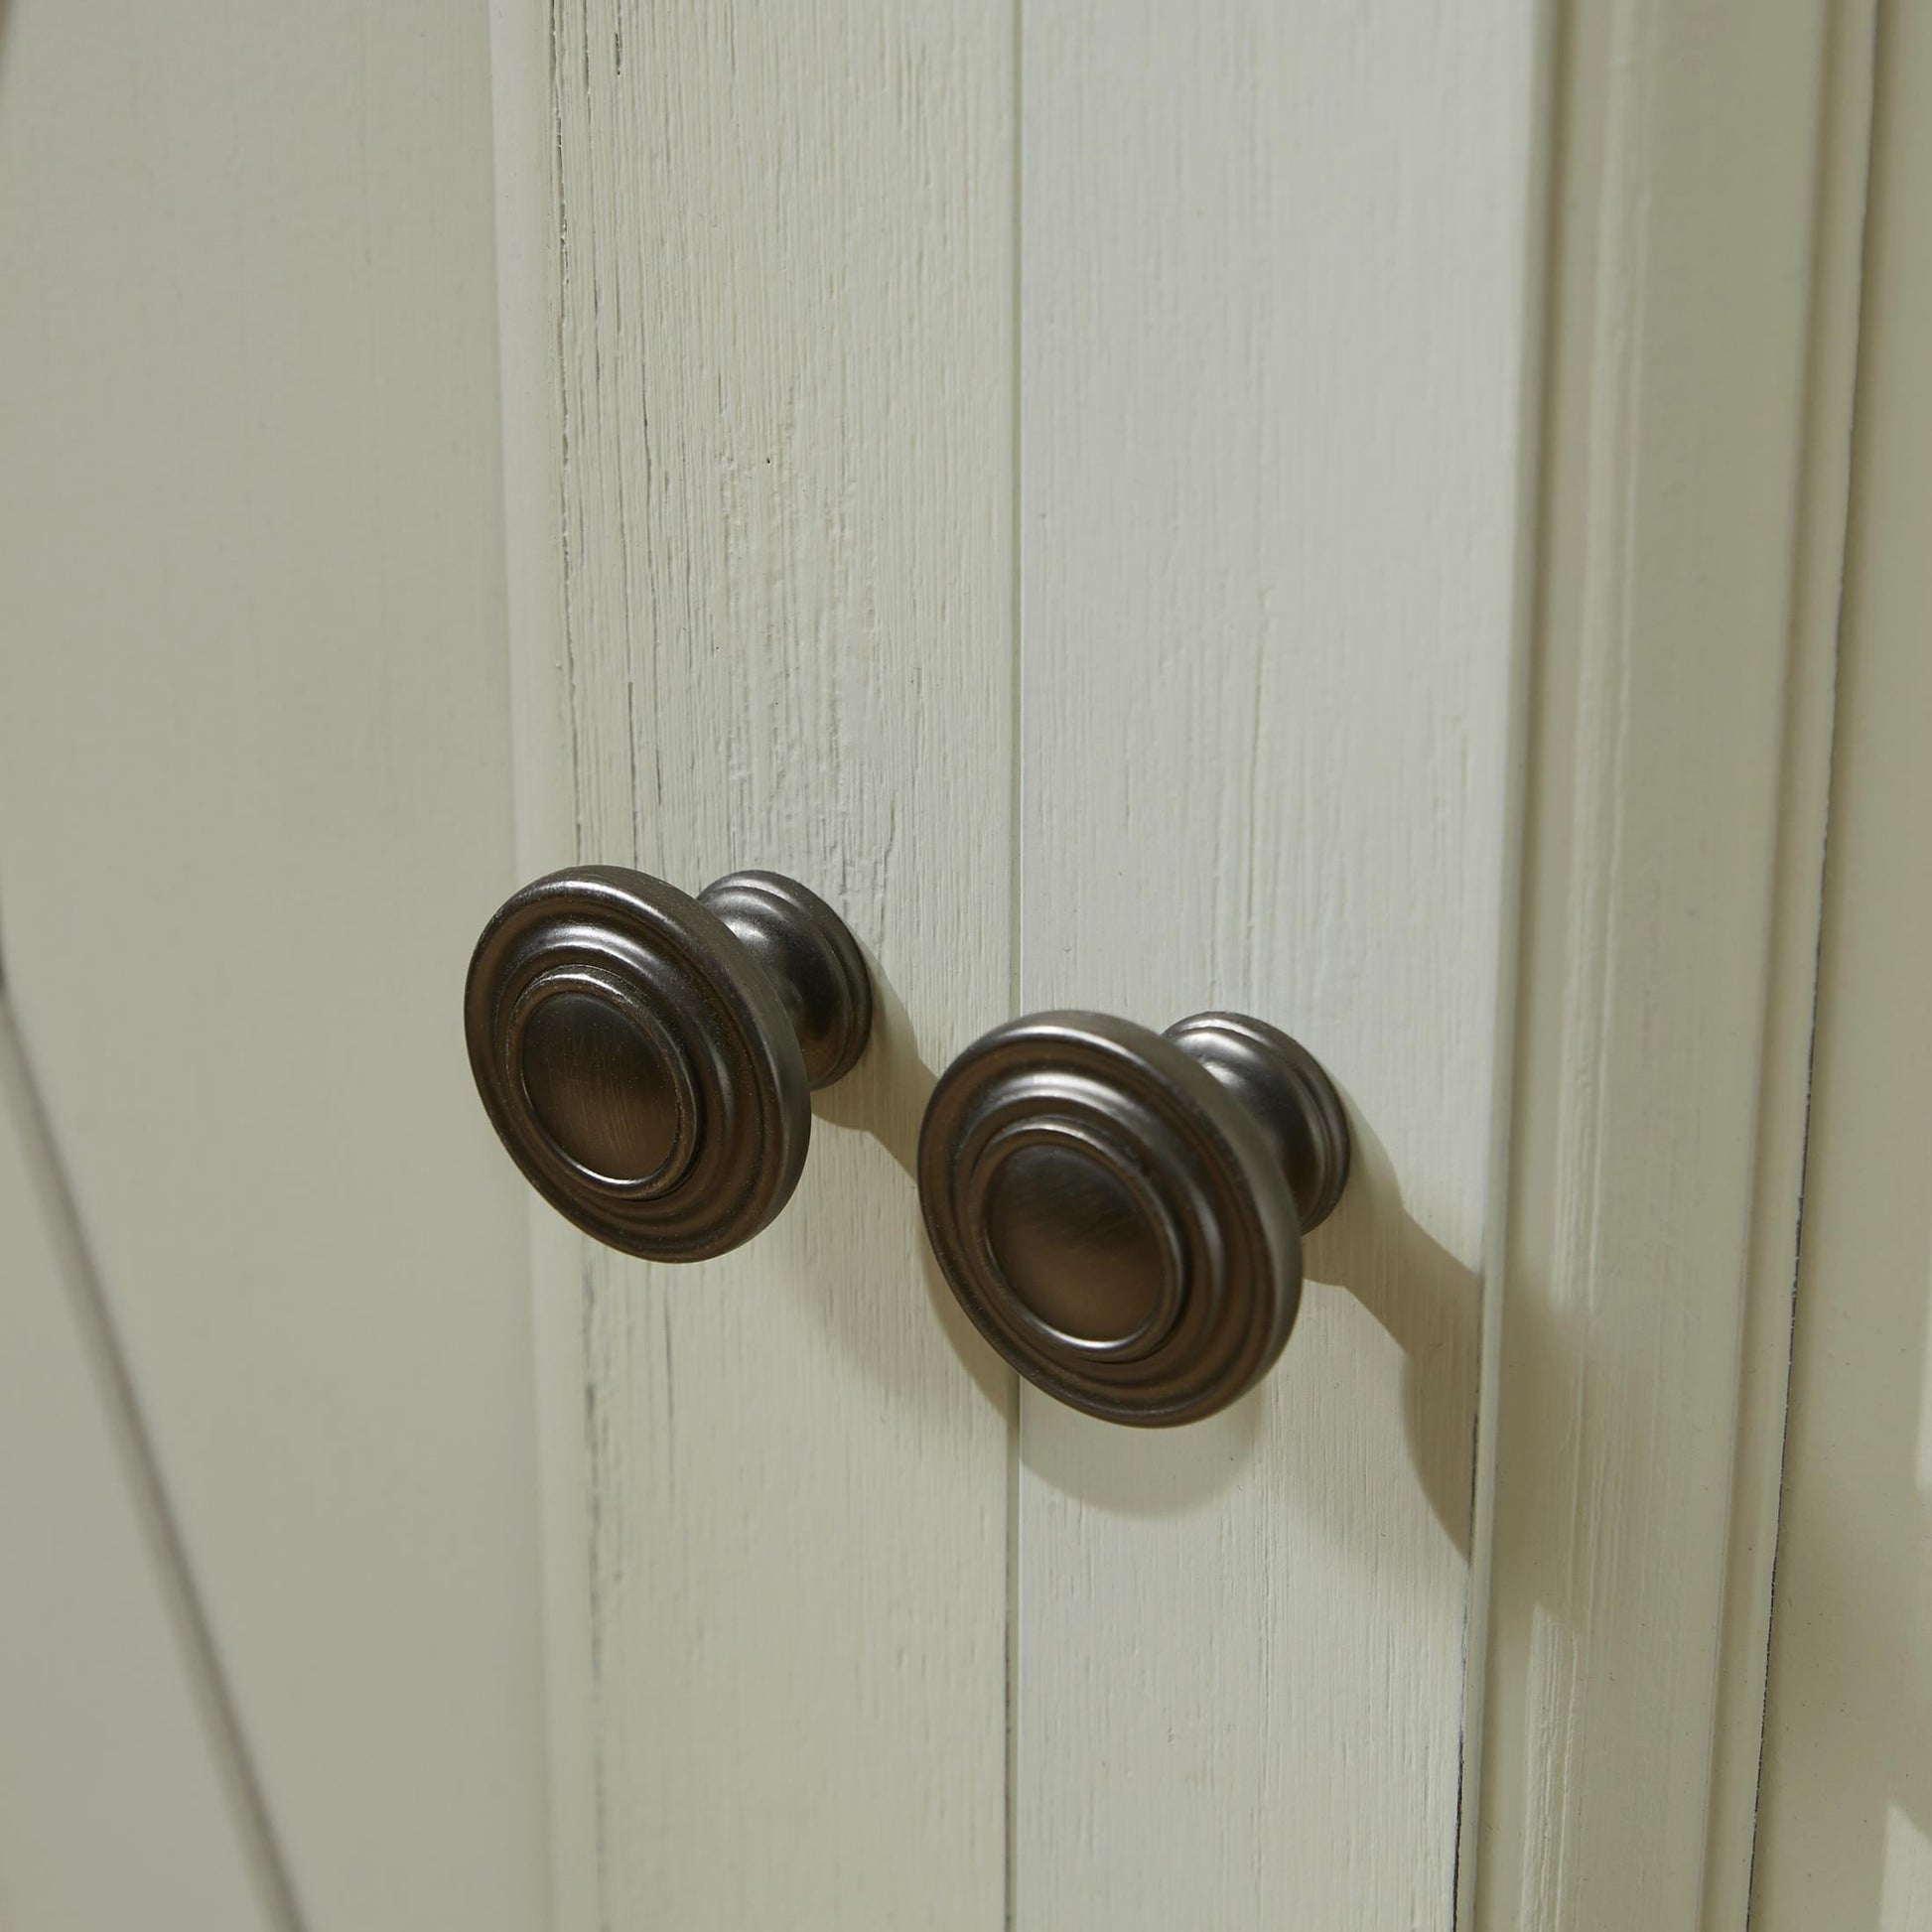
{"x":812,"y":959}
{"x":1294,"y":1102}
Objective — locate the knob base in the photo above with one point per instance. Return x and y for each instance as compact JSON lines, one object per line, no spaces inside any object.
{"x":812,"y":959}
{"x":1283,"y":1086}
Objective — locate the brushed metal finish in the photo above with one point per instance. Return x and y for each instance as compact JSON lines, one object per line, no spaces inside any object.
{"x":1120,"y":1211}
{"x":647,"y":1057}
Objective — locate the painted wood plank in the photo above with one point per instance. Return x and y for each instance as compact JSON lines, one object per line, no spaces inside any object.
{"x":254,"y":802}
{"x":780,"y":611}
{"x":1698,"y":361}
{"x":1845,"y":1819}
{"x":1275,"y":273}
{"x":116,"y":1804}
{"x":1816,"y":564}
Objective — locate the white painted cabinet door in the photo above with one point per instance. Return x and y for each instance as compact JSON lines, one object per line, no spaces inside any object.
{"x":1152,"y":507}
{"x":1049,"y":479}
{"x":1333,"y":510}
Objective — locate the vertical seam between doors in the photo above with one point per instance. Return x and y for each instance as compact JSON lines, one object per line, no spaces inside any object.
{"x":1543,"y":159}
{"x":1017,"y":854}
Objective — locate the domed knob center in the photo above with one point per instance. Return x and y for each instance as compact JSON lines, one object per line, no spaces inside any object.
{"x":1079,"y":1248}
{"x":599,"y":1086}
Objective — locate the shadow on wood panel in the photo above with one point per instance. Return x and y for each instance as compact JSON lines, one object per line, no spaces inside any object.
{"x":1420,"y":1295}
{"x":1428,"y":1302}
{"x":886,"y":1096}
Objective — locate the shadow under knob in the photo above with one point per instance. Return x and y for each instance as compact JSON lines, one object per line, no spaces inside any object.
{"x":647,"y":1057}
{"x":1120,"y":1211}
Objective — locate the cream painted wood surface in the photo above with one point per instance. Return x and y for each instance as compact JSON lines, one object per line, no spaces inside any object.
{"x":1265,"y":700}
{"x":775,"y":589}
{"x":1092,"y":447}
{"x":255,"y":803}
{"x":1708,"y":180}
{"x":1844,"y":1822}
{"x":115,"y":1805}
{"x":1141,"y":507}
{"x":1275,"y":282}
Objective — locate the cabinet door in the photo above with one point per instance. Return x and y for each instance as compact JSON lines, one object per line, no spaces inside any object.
{"x":1150,"y":509}
{"x":1048,"y":479}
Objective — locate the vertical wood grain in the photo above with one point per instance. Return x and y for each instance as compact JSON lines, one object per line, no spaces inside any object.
{"x":1274,"y":269}
{"x":1681,"y":680}
{"x":783,"y":614}
{"x":1845,"y":1818}
{"x":254,"y":804}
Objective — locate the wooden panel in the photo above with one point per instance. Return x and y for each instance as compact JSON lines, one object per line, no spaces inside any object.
{"x":1817,"y":562}
{"x":1845,"y":1820}
{"x":255,"y":803}
{"x":117,"y":1805}
{"x":779,"y":598}
{"x":1699,"y":364}
{"x":1277,"y":265}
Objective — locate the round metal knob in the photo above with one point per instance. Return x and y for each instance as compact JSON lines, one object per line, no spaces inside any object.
{"x":647,"y":1057}
{"x":1120,"y":1211}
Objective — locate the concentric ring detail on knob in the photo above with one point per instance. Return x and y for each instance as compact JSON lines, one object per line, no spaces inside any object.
{"x":605,"y":1080}
{"x":1066,"y":1211}
{"x":1110,"y":1217}
{"x":637,"y":1062}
